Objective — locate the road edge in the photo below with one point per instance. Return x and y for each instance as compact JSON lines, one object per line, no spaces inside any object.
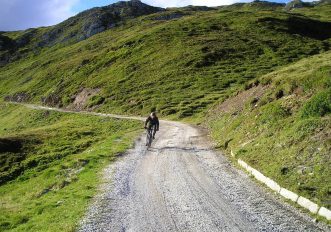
{"x":274,"y":186}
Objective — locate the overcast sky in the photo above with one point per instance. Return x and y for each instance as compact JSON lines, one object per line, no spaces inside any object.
{"x":23,"y":14}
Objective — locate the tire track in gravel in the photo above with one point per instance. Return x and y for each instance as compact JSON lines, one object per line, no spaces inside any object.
{"x":181,"y":184}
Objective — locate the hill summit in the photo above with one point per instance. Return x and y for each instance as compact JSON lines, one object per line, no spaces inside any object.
{"x":296,"y":4}
{"x":85,"y":24}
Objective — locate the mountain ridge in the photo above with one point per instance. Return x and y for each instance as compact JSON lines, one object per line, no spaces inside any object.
{"x":77,"y":28}
{"x":204,"y":52}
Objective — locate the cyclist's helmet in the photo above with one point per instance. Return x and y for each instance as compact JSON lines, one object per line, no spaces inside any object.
{"x":153,"y":114}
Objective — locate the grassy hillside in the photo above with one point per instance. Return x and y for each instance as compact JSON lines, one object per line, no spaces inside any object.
{"x":281,"y":125}
{"x":179,"y":61}
{"x":320,"y":12}
{"x":50,"y":165}
{"x":257,"y":75}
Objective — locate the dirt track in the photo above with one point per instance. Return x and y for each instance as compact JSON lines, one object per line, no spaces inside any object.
{"x":181,"y":185}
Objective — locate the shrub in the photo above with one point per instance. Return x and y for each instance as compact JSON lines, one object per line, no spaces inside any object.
{"x":265,"y":99}
{"x":153,"y":109}
{"x":66,"y":100}
{"x":168,"y":111}
{"x":95,"y":100}
{"x":318,"y":106}
{"x":186,"y":112}
{"x":308,"y":127}
{"x":279,"y":94}
{"x":265,"y":81}
{"x":273,"y":112}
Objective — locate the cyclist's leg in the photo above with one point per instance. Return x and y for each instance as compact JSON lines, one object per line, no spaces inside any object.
{"x":147,"y":138}
{"x":148,"y":135}
{"x":154,"y":131}
{"x":150,"y":132}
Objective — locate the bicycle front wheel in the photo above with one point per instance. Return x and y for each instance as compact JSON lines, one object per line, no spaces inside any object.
{"x":149,"y":137}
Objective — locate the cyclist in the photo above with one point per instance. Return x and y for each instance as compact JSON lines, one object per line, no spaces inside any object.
{"x":152,"y":122}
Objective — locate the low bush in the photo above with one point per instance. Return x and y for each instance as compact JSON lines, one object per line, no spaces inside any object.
{"x":273,"y":112}
{"x":95,"y":100}
{"x":318,"y":106}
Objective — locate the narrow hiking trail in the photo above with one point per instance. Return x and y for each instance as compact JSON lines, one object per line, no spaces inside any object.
{"x":181,"y":184}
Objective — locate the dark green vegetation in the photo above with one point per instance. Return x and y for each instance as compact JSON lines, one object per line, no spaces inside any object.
{"x":180,"y":60}
{"x":281,"y":125}
{"x":184,"y":62}
{"x":51,"y":163}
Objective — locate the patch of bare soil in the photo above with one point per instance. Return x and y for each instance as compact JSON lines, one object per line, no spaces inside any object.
{"x":237,"y":103}
{"x":82,"y":98}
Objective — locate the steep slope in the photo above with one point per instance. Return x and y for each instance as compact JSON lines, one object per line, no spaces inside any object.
{"x":255,"y":6}
{"x":96,"y":20}
{"x":74,"y":29}
{"x":180,"y":65}
{"x":281,"y":125}
{"x":297,"y":4}
{"x":321,"y":11}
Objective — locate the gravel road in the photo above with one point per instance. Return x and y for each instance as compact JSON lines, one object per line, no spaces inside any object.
{"x":180,"y":184}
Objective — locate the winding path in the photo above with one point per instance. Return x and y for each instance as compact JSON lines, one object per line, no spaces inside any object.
{"x":181,"y":184}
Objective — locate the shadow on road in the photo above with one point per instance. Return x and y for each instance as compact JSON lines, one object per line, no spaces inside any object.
{"x":184,"y":149}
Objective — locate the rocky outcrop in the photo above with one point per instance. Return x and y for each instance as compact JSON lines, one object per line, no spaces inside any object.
{"x":297,"y":4}
{"x":74,"y":29}
{"x":26,"y":37}
{"x":6,"y":43}
{"x":82,"y":97}
{"x":94,"y":21}
{"x":18,"y":97}
{"x":52,"y":100}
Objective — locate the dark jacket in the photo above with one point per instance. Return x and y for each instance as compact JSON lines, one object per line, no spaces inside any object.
{"x":150,"y":122}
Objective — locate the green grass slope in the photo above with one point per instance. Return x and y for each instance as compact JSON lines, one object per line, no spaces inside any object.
{"x":320,"y":12}
{"x":51,"y":163}
{"x":281,"y":125}
{"x":179,"y":61}
{"x":186,"y":63}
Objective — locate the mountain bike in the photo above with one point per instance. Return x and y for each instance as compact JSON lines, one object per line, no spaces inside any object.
{"x":149,"y":136}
